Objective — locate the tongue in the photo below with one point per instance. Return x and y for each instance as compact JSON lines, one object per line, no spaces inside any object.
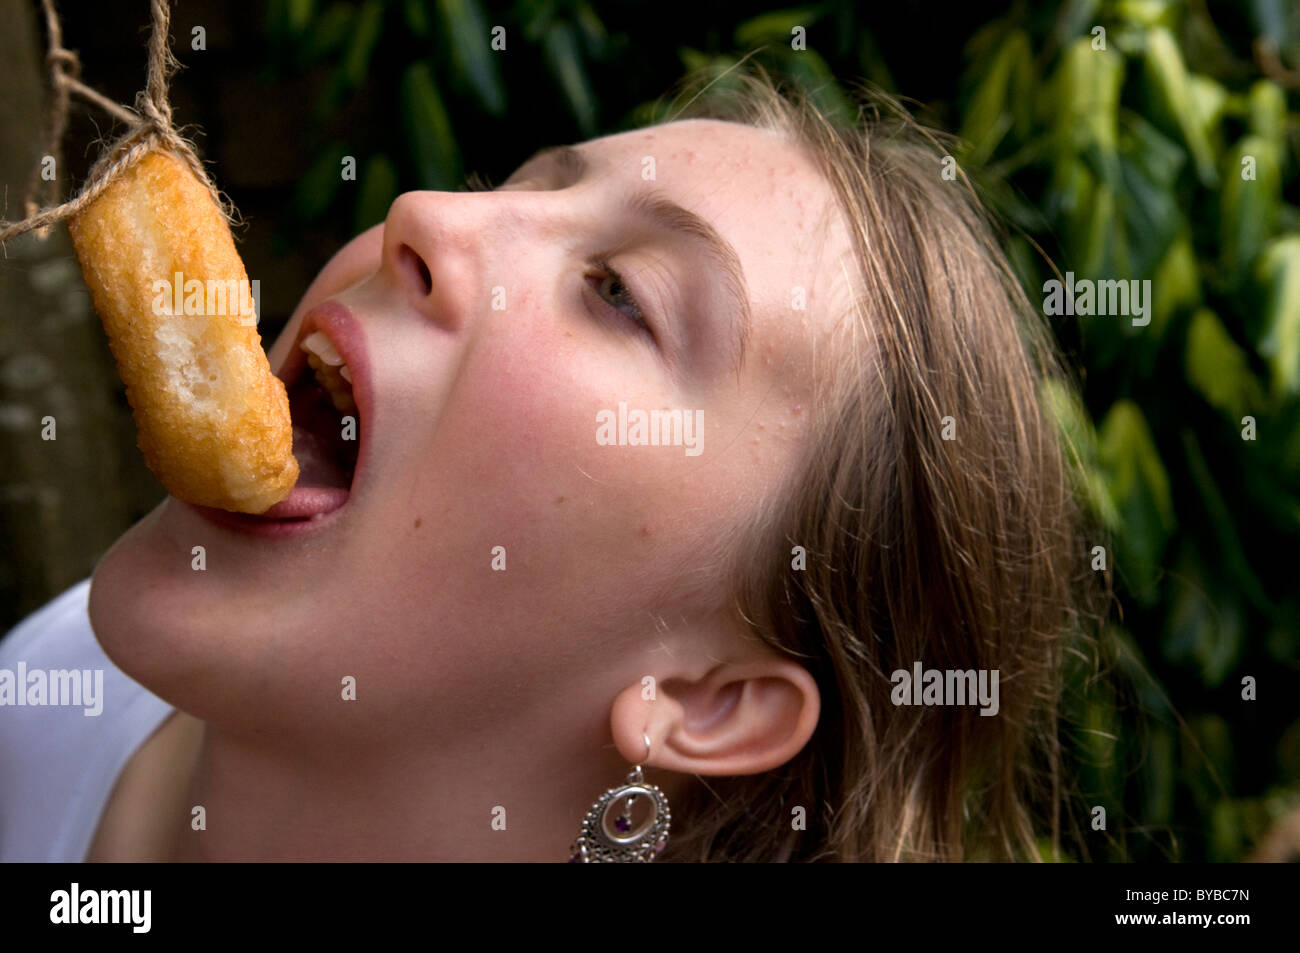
{"x":323,"y":483}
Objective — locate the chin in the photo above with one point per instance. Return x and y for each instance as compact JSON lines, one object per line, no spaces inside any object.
{"x":212,"y":643}
{"x":161,"y":622}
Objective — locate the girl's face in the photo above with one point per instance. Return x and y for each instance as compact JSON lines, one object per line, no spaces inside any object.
{"x":502,"y":554}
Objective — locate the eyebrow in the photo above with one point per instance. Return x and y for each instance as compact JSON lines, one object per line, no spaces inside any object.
{"x":662,"y":212}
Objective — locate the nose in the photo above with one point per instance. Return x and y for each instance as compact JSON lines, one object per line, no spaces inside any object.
{"x":441,"y":249}
{"x":419,"y":237}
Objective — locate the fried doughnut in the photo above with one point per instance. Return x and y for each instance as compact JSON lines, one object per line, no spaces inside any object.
{"x":213,"y":421}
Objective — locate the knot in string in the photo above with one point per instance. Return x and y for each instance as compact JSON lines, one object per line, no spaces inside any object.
{"x":149,"y":127}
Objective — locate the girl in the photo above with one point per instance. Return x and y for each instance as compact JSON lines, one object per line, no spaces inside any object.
{"x":685,"y":449}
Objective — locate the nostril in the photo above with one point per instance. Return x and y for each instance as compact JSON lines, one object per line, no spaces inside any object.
{"x":416,"y":264}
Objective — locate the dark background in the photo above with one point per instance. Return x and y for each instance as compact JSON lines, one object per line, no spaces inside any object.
{"x":1143,"y":184}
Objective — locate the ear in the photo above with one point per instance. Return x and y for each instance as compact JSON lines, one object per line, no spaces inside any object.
{"x":739,"y":717}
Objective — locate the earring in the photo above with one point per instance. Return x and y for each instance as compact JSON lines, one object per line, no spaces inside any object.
{"x":600,"y":843}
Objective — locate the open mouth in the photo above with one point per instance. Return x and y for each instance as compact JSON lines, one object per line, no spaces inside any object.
{"x":326,"y":431}
{"x":325,"y":441}
{"x":327,"y":427}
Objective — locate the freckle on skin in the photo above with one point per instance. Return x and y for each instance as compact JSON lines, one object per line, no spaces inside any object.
{"x":645,"y":529}
{"x":559,"y":499}
{"x":418,"y":521}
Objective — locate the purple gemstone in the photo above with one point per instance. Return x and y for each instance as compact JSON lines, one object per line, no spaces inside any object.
{"x":659,"y":847}
{"x":573,"y":858}
{"x":623,"y":825}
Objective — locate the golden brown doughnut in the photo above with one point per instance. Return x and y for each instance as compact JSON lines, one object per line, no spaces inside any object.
{"x":213,"y":420}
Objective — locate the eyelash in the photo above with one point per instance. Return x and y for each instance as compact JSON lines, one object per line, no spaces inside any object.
{"x":476,"y":182}
{"x":610,"y":272}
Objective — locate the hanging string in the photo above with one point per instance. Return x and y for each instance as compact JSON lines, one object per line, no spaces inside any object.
{"x":150,"y":128}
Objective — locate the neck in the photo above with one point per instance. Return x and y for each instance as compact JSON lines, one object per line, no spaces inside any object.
{"x":481,"y":802}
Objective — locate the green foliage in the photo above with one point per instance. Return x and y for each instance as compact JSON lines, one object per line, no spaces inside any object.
{"x":1129,"y":140}
{"x":1153,"y":162}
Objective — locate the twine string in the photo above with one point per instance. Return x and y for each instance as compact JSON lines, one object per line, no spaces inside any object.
{"x":150,"y":128}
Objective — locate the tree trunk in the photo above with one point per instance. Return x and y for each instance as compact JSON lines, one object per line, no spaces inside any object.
{"x":63,"y":501}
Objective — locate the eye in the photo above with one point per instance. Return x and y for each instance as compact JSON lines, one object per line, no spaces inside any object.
{"x":611,"y":287}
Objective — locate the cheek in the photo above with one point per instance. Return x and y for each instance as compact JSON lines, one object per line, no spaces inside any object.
{"x":513,"y":461}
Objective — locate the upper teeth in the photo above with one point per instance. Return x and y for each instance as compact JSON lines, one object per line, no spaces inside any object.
{"x":318,"y":344}
{"x":331,"y":372}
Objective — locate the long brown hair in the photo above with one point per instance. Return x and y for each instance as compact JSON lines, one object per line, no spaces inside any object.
{"x":937,"y":514}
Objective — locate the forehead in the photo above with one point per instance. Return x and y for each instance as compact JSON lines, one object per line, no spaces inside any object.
{"x":766,"y":197}
{"x":736,"y":175}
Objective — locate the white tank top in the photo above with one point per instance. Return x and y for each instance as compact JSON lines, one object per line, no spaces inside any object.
{"x":59,"y":760}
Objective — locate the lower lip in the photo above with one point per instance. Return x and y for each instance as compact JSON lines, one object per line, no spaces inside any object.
{"x":270,"y":528}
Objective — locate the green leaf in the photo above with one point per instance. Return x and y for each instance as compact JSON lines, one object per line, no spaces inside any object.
{"x":1176,"y":285}
{"x":1279,"y":271}
{"x":300,"y":13}
{"x":595,"y":39}
{"x":1227,"y":839}
{"x":1139,"y":485}
{"x":369,"y":24}
{"x":320,"y":183}
{"x":1087,"y":105}
{"x":1225,"y":527}
{"x":809,"y":70}
{"x":1127,"y":450}
{"x":417,"y":18}
{"x":774,"y":26}
{"x":560,"y":49}
{"x":328,"y":33}
{"x":1248,"y":206}
{"x":378,"y":191}
{"x":1074,"y":19}
{"x":433,"y":145}
{"x":1168,"y":81}
{"x":1151,"y":218}
{"x":1205,"y":630}
{"x":713,"y":67}
{"x":1096,"y":236}
{"x":1158,"y":157}
{"x":1268,"y":118}
{"x":1160,"y":770}
{"x":1207,"y":99}
{"x":1218,"y":368}
{"x":1100,"y":740}
{"x":287,"y":20}
{"x":1077,"y":434}
{"x":471,"y":51}
{"x":352,"y":69}
{"x":1207,"y":758}
{"x":1143,"y":12}
{"x":990,"y":114}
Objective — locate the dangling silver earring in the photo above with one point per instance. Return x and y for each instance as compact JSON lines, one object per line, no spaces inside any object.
{"x":603,"y":842}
